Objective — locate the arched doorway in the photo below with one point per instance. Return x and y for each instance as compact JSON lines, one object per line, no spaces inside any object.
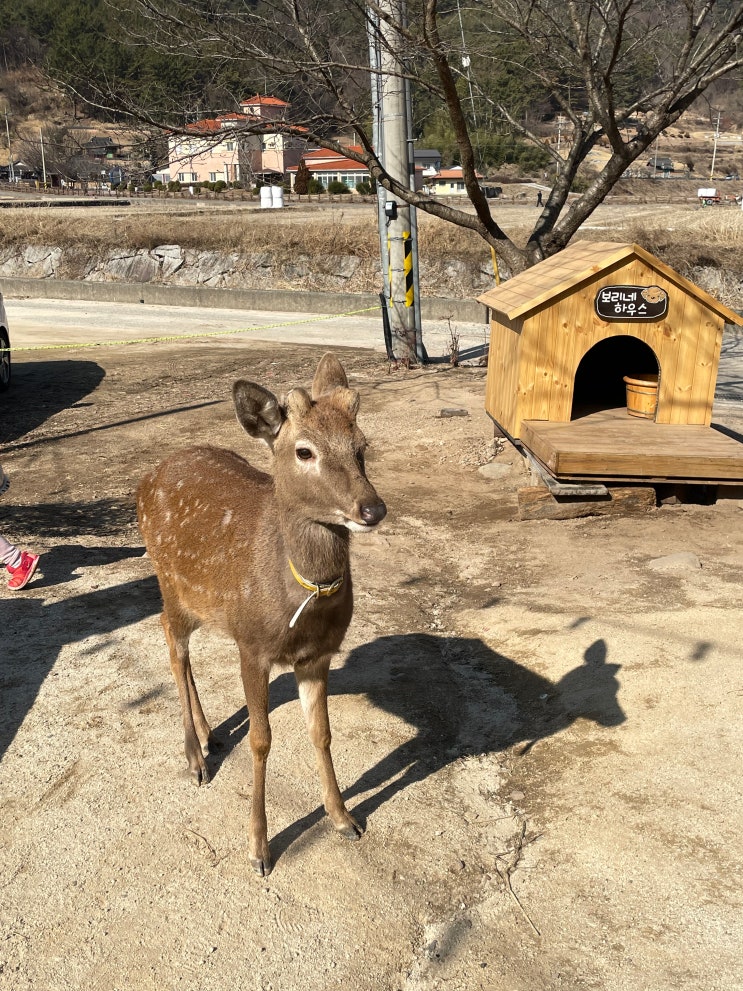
{"x":599,"y":379}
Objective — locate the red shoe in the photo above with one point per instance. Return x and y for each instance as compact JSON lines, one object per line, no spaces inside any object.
{"x":22,"y":575}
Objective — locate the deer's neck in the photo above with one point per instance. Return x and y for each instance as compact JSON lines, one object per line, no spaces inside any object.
{"x":318,"y":551}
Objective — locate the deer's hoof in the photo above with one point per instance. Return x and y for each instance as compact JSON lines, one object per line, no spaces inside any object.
{"x":200,"y":775}
{"x":351,"y":830}
{"x":261,"y":865}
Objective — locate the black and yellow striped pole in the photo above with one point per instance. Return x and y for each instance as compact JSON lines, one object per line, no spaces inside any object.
{"x":407,"y":267}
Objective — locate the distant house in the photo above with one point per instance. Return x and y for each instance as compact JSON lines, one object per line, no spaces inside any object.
{"x":102,"y":148}
{"x":329,"y":166}
{"x":428,"y":159}
{"x":219,"y":148}
{"x":661,"y":164}
{"x":279,"y":150}
{"x":447,"y":182}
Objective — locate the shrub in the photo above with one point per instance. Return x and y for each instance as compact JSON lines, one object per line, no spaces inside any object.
{"x":174,"y":186}
{"x":338,"y":188}
{"x":314,"y":186}
{"x":302,"y":179}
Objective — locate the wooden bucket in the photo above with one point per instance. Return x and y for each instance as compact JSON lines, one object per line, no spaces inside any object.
{"x":642,"y":394}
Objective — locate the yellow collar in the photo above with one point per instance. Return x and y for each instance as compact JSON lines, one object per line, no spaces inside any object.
{"x":315,"y":590}
{"x":328,"y":589}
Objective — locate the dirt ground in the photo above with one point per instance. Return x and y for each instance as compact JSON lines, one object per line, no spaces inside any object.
{"x":538,"y":723}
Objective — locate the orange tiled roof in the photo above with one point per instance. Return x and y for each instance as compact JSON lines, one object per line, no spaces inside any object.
{"x":209,"y":125}
{"x":453,"y":173}
{"x":266,"y":101}
{"x":329,"y":160}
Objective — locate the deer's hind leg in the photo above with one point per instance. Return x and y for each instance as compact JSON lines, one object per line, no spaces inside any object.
{"x":178,"y":629}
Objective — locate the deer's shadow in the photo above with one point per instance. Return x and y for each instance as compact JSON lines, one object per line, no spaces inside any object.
{"x":459,"y":697}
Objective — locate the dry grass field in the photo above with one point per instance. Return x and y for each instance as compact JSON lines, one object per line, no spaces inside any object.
{"x":663,"y":217}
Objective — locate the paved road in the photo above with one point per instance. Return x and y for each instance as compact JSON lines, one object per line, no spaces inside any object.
{"x":36,"y":322}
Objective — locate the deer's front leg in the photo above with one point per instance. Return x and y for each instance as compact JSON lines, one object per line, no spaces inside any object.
{"x":255,"y":683}
{"x":312,"y":681}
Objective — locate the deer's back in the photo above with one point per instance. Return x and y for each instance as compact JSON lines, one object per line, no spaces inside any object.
{"x":202,"y":513}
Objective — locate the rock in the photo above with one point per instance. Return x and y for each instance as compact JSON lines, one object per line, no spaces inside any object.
{"x":40,"y":261}
{"x":682,"y":561}
{"x":133,"y":266}
{"x":538,"y":503}
{"x":211,"y":268}
{"x":170,"y":258}
{"x":495,"y":469}
{"x":453,"y":412}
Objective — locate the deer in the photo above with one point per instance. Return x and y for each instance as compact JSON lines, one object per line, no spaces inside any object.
{"x":265,"y":559}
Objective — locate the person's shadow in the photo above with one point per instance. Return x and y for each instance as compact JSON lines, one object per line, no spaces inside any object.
{"x":56,"y":624}
{"x":460,"y":696}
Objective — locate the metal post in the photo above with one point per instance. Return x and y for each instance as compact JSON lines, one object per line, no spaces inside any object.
{"x":714,"y":147}
{"x":11,"y":170}
{"x":43,"y":161}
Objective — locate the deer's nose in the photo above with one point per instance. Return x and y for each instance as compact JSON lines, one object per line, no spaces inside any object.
{"x":373,"y":513}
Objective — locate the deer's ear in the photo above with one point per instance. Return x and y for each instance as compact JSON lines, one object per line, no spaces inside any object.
{"x":258,"y":410}
{"x":329,"y":376}
{"x":346,"y":400}
{"x":298,"y":403}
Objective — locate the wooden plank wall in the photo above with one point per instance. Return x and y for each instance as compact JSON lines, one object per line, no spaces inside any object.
{"x":555,"y":337}
{"x":501,"y":387}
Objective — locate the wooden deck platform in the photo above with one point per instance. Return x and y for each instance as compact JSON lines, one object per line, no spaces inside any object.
{"x":612,"y":446}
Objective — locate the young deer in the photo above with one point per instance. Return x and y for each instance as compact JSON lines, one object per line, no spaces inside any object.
{"x":265,"y":559}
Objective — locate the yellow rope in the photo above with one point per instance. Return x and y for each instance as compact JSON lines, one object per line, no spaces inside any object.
{"x":183,"y":337}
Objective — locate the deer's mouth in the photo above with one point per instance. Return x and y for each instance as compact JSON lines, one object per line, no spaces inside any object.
{"x":369,"y":516}
{"x":357,"y":527}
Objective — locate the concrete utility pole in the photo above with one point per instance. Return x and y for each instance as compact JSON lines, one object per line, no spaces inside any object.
{"x":395,"y":152}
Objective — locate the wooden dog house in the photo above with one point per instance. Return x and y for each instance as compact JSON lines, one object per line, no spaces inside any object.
{"x":563,"y":336}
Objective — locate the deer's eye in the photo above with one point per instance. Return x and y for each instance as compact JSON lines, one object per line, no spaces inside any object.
{"x":305,"y":454}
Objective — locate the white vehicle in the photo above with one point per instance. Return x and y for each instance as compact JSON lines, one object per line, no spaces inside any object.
{"x":4,"y":348}
{"x":708,"y":196}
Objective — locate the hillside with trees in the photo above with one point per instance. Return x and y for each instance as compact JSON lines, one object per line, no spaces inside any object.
{"x":537,"y":83}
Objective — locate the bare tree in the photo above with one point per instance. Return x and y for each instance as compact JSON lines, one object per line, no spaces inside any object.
{"x":618,"y":71}
{"x":57,"y":151}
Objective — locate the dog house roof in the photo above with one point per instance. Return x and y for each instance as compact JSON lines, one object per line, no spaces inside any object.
{"x":577,"y":264}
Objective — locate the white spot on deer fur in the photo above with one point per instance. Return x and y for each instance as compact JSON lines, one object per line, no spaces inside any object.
{"x":227,"y":518}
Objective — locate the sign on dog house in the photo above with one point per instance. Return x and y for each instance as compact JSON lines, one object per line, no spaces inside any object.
{"x":568,"y":334}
